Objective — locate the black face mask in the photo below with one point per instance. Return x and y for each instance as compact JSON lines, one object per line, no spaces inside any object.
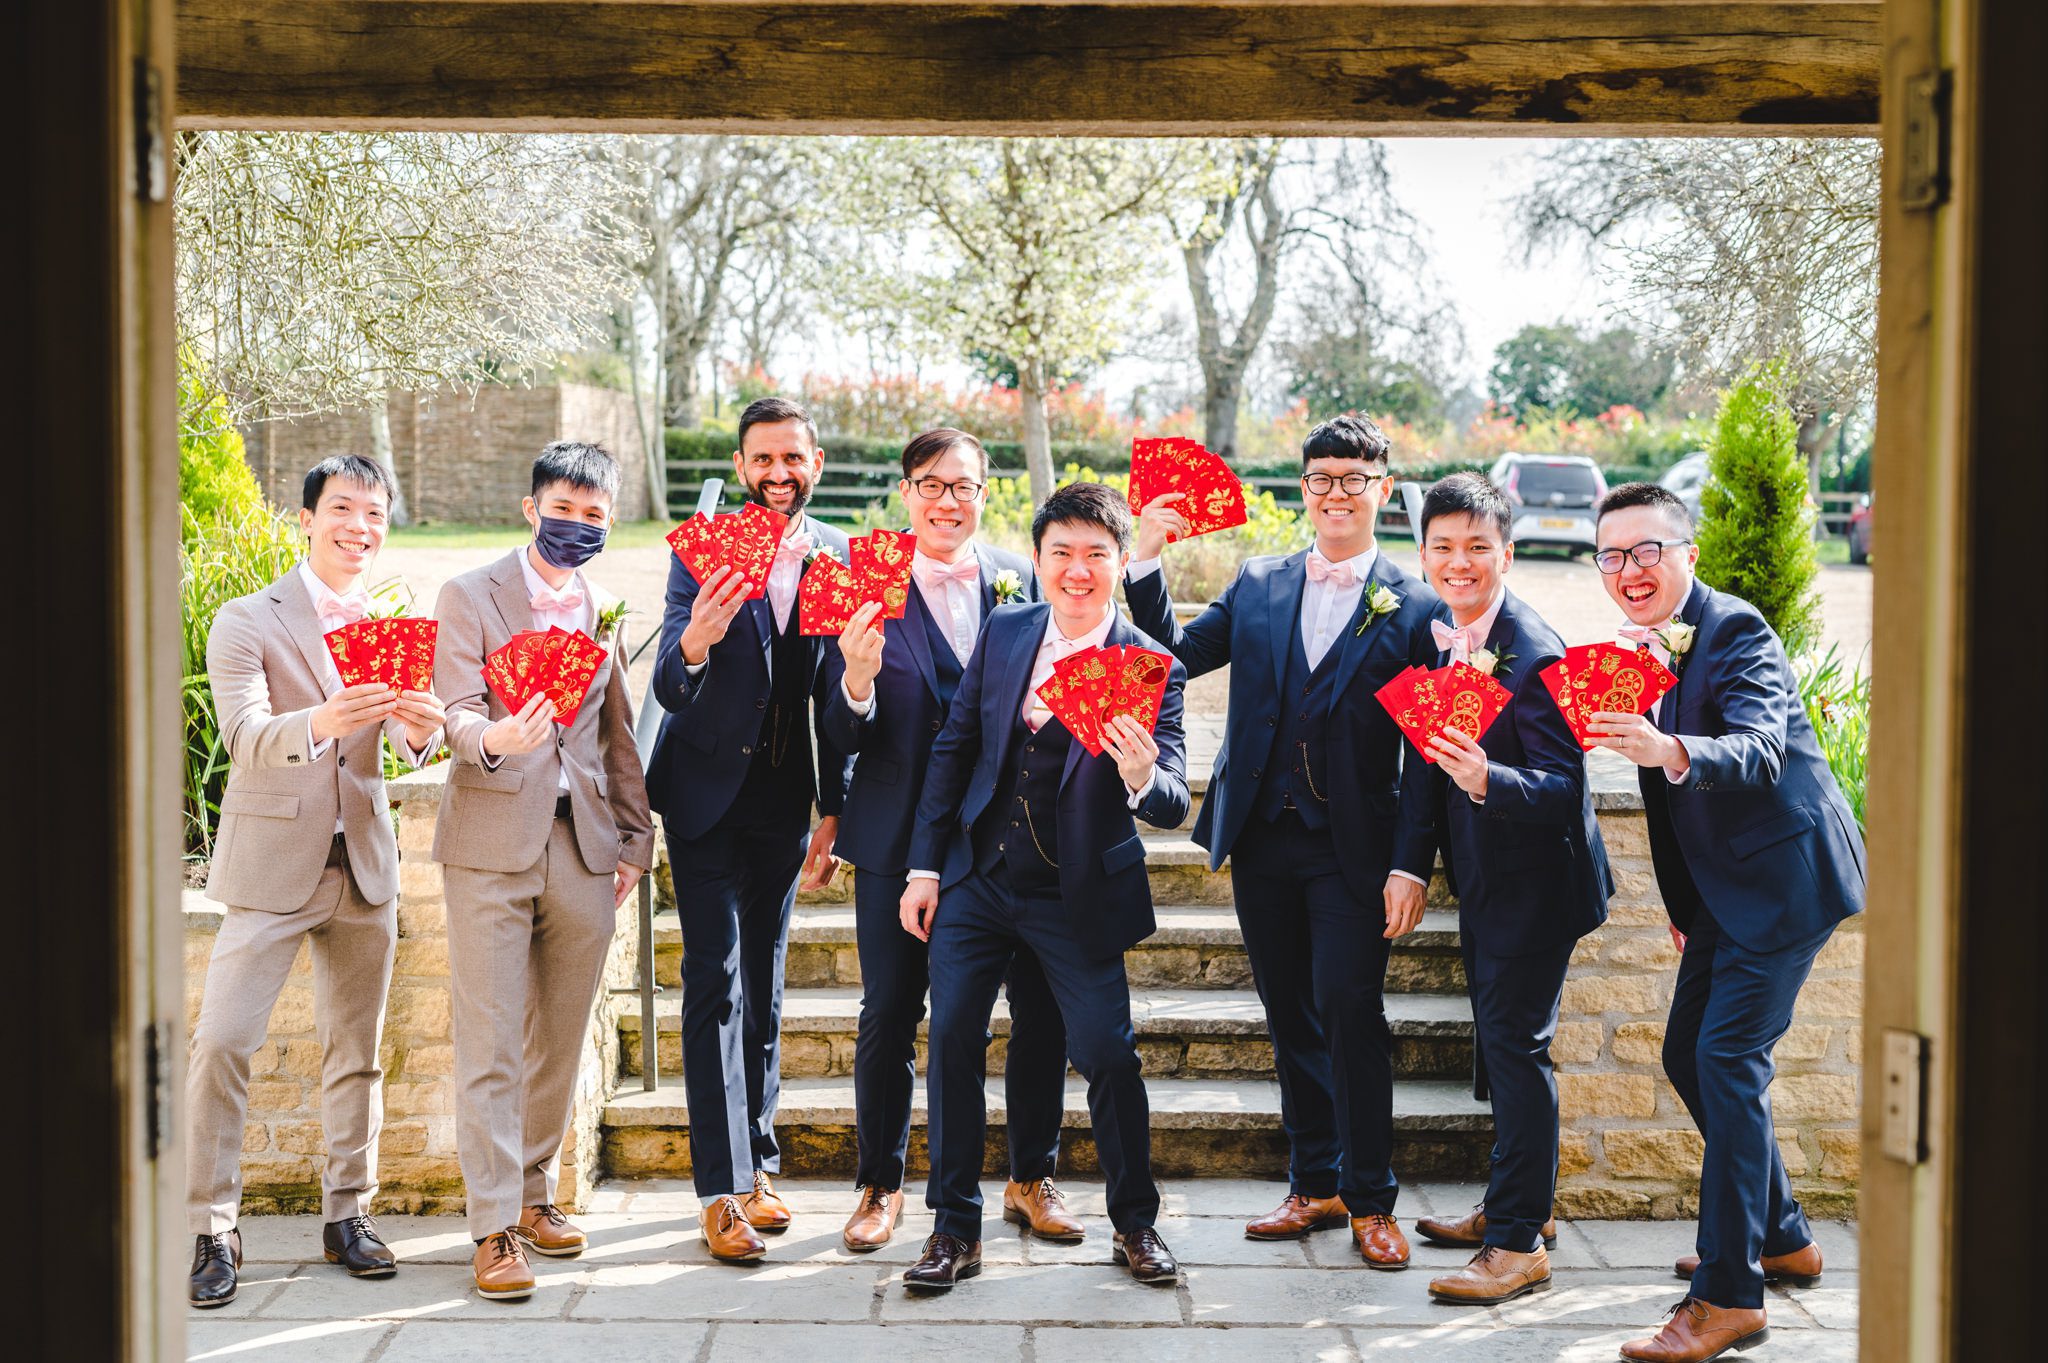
{"x":566,"y":543}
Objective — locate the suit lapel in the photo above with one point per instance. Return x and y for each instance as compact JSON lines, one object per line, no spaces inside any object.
{"x":988,"y":581}
{"x":1504,"y":628}
{"x":1284,"y":589}
{"x":1689,"y":614}
{"x":1016,"y":675}
{"x":1354,"y":647}
{"x":508,"y":592}
{"x":917,"y":633}
{"x":294,"y":607}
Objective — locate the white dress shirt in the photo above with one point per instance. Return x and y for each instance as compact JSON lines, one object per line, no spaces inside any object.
{"x":1472,"y":637}
{"x":954,"y":604}
{"x":1662,"y":655}
{"x":324,"y":603}
{"x":1326,"y":607}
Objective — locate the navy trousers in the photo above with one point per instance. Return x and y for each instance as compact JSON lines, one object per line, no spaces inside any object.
{"x":1514,"y":1012}
{"x":894,"y":974}
{"x":980,"y":927}
{"x":1332,"y":1049}
{"x":1729,"y":1009}
{"x":735,"y":887}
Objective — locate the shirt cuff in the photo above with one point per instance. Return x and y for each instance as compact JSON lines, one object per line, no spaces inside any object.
{"x":860,"y":708}
{"x":922,"y":875}
{"x":1410,"y":875}
{"x":694,"y":668}
{"x":1144,"y":567}
{"x":1682,"y":778}
{"x":1138,"y":795}
{"x":315,"y":751}
{"x":419,"y":759}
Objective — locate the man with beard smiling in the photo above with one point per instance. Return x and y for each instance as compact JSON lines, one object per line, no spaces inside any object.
{"x":732,"y":777}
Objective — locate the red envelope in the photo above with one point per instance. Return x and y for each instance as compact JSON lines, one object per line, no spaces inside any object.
{"x":1067,"y":697}
{"x":1138,"y":684}
{"x":699,"y":545}
{"x":752,"y":534}
{"x":507,"y":668}
{"x":1471,"y":702}
{"x":412,"y":654}
{"x":575,"y":660}
{"x":1605,"y":678}
{"x":355,"y":648}
{"x":880,"y":561}
{"x":397,"y":652}
{"x":827,"y":597}
{"x":1215,"y":497}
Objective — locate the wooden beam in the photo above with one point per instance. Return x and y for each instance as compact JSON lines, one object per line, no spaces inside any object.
{"x":1668,"y":66}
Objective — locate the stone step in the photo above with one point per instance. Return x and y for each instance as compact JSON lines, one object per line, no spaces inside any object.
{"x":1182,"y":1034}
{"x":1197,"y":946}
{"x":1200,"y":1127}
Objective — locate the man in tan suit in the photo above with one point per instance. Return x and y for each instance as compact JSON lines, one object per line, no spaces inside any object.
{"x":305,"y":851}
{"x":544,"y":830}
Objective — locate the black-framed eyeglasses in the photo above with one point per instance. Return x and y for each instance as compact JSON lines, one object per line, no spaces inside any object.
{"x":931,"y":489}
{"x":1353,"y":483}
{"x":1648,"y":554}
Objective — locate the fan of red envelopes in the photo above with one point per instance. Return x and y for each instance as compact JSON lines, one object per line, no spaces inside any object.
{"x":398,"y":652}
{"x":743,"y":540}
{"x":1087,"y":689}
{"x":877,"y":569}
{"x":1215,"y":497}
{"x":560,"y":662}
{"x":1605,"y":679}
{"x":1425,"y":701}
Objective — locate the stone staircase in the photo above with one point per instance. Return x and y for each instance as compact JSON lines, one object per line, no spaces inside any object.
{"x":1201,"y":1033}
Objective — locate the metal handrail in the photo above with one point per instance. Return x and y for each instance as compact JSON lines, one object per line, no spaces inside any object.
{"x":646,"y":729}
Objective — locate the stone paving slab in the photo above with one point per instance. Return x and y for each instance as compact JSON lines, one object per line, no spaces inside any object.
{"x":1045,"y":1294}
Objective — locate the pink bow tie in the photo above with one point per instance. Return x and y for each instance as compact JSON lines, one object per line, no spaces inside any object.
{"x":353,"y":607}
{"x":934,"y":575}
{"x":797,"y":546}
{"x":1321,"y":569}
{"x":1451,"y":638}
{"x":548,"y":599}
{"x":1642,"y":636}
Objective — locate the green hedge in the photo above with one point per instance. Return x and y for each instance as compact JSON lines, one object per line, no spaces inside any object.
{"x":884,"y":455}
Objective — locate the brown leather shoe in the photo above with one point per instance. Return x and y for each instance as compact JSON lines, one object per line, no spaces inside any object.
{"x":1469,"y":1230}
{"x":547,"y":1231}
{"x":874,"y":1221}
{"x":1296,"y":1216}
{"x":946,"y":1260}
{"x":1040,"y":1209}
{"x":764,"y":1210}
{"x":1380,"y":1240}
{"x":1495,"y":1275}
{"x":728,"y":1236}
{"x":1698,"y":1331}
{"x":1801,"y":1267}
{"x":1146,"y":1256}
{"x":501,"y":1270}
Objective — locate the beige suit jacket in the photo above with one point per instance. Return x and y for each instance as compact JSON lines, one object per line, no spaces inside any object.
{"x":270,"y":669}
{"x":497,"y":820}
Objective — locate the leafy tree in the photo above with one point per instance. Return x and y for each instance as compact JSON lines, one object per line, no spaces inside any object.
{"x":214,"y":477}
{"x":1756,"y":519}
{"x":1556,"y":368}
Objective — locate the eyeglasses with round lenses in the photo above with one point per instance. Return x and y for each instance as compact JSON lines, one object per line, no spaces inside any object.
{"x":1353,"y":483}
{"x":931,"y":489}
{"x":1648,"y":554}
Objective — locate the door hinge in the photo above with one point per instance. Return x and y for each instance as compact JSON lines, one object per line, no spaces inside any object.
{"x":1905,"y":1096}
{"x":1923,"y":143}
{"x":156,"y":1089}
{"x":152,"y":182}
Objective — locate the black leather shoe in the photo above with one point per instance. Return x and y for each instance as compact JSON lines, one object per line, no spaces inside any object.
{"x":354,"y":1245}
{"x":215,"y":1259}
{"x":1146,"y":1255}
{"x":946,"y":1260}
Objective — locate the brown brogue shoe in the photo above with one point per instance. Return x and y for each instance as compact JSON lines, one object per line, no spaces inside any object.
{"x":946,"y":1260}
{"x":1296,"y":1216}
{"x":1697,"y":1332}
{"x":1040,"y":1209}
{"x":874,"y":1221}
{"x":1495,"y":1275}
{"x":1380,"y":1241}
{"x":764,"y":1210}
{"x":1469,"y":1230}
{"x":1146,"y":1256}
{"x":728,"y":1235}
{"x":502,"y":1273}
{"x":1801,"y":1267}
{"x":547,"y":1231}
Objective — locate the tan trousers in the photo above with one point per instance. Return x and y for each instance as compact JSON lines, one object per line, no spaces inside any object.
{"x":526,"y":950}
{"x":353,"y":941}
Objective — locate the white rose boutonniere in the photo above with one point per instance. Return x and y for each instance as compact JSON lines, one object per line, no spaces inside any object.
{"x":1380,"y":600}
{"x":1489,"y":663}
{"x":1677,"y":640}
{"x":1008,"y":586}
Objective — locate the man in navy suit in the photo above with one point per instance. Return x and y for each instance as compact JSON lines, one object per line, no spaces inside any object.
{"x":1023,"y":839}
{"x":1330,"y":834}
{"x":1523,"y":851}
{"x":885,"y":703}
{"x":1758,"y":857}
{"x":732,"y":778}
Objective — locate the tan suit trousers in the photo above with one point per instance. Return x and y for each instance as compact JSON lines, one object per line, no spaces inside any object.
{"x":353,"y":941}
{"x":526,"y":950}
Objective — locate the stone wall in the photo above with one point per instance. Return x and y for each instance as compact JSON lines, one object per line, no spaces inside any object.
{"x":461,"y":457}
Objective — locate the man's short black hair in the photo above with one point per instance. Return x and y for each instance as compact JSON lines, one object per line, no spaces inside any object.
{"x":350,"y":468}
{"x":1469,"y":494}
{"x":769,"y":411}
{"x":580,"y":465}
{"x":928,"y":447}
{"x":1347,"y":437}
{"x":1085,"y":504}
{"x":1648,"y":494}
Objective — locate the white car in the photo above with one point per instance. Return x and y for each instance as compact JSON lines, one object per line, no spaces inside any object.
{"x":1685,"y":479}
{"x":1554,"y":496}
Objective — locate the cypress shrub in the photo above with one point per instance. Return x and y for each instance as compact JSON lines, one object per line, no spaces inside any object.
{"x":1756,"y":515}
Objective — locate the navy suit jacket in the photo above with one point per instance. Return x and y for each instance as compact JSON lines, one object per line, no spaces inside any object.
{"x":892,"y":741}
{"x":1103,"y":884}
{"x":1529,"y":867}
{"x":1759,"y":823}
{"x":1382,"y":813}
{"x":714,"y":718}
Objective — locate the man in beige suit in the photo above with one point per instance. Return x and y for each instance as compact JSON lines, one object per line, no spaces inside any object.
{"x":544,"y":829}
{"x":305,"y":851}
